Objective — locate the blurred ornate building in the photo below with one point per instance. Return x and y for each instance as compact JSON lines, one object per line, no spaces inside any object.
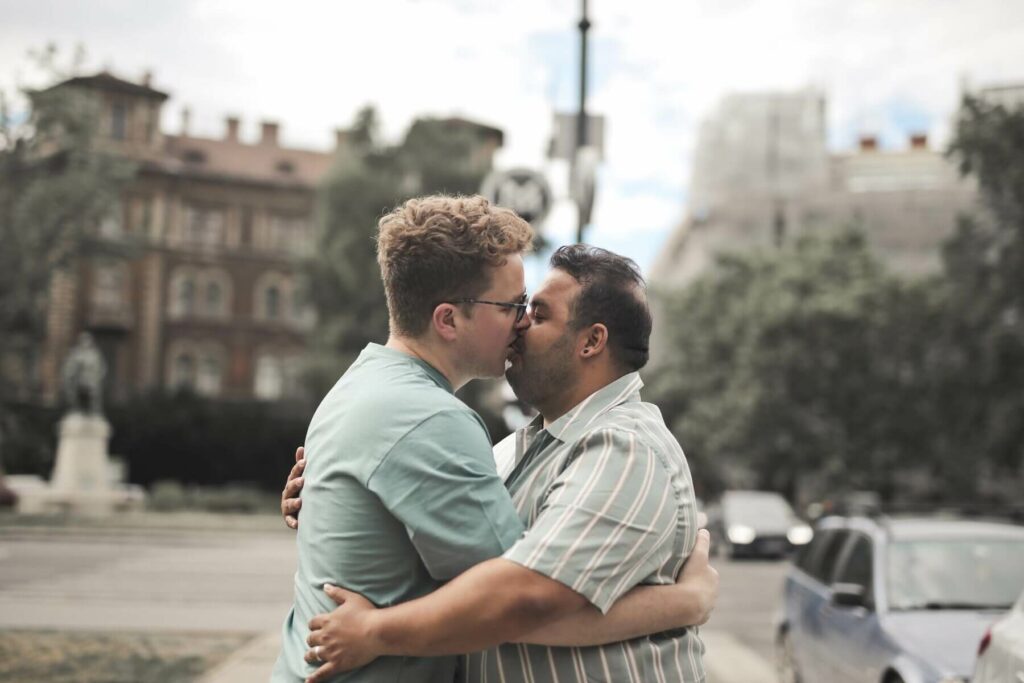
{"x":195,"y":279}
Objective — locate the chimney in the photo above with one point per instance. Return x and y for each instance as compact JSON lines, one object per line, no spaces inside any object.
{"x":340,"y":138}
{"x":868,"y":143}
{"x":147,"y":78}
{"x":268,"y":134}
{"x":231,"y":133}
{"x":186,"y":118}
{"x":919,"y":141}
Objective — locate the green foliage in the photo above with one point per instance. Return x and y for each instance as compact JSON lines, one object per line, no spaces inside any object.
{"x":982,"y":380}
{"x":56,"y":183}
{"x":812,"y":360}
{"x":367,"y":181}
{"x":183,"y":438}
{"x":803,"y":359}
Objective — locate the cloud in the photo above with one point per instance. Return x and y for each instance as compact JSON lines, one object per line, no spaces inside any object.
{"x":657,"y":69}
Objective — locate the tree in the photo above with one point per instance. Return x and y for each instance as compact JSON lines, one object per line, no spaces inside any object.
{"x":982,"y":378}
{"x":369,"y":179}
{"x":806,"y":359}
{"x":56,"y":183}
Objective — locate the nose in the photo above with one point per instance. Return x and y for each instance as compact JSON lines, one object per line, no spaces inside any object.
{"x":523,"y":324}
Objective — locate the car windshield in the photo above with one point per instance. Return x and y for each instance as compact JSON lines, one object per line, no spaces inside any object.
{"x":955,"y":574}
{"x":758,"y":510}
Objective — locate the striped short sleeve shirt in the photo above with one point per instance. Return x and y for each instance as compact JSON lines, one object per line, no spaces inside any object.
{"x":607,"y":495}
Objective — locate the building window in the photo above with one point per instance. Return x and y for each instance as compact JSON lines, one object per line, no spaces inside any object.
{"x":204,"y":293}
{"x":118,"y":121}
{"x":183,"y":371}
{"x":198,"y":367}
{"x":204,"y":226}
{"x":214,"y":298}
{"x":269,"y":380}
{"x":210,"y":377}
{"x":276,"y":299}
{"x":108,"y":293}
{"x":277,"y":376}
{"x":247,"y":223}
{"x":288,"y":233}
{"x":187,"y":297}
{"x":272,"y":302}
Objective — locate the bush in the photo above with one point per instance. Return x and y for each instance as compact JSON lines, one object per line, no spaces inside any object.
{"x":181,"y":438}
{"x":191,"y":440}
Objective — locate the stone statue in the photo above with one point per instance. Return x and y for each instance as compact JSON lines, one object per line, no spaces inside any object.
{"x":82,"y":377}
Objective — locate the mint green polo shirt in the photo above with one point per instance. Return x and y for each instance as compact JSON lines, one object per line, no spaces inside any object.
{"x":401,"y":494}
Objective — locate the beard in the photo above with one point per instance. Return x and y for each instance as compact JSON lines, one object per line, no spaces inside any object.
{"x":540,"y":374}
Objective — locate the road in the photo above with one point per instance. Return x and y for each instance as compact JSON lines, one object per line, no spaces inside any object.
{"x":216,"y":579}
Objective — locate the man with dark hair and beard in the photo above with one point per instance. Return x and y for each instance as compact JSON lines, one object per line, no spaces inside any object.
{"x":598,"y":480}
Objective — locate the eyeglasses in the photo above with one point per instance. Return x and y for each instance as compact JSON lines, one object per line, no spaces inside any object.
{"x":520,"y":306}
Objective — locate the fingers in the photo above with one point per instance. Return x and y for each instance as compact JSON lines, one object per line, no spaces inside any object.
{"x":339,"y":595}
{"x":317,"y":622}
{"x":296,"y":470}
{"x":292,"y":488}
{"x":290,"y":506}
{"x":703,"y":545}
{"x":323,"y":673}
{"x":290,"y":501}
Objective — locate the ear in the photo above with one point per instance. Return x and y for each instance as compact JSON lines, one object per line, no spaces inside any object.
{"x":443,"y":321}
{"x":594,"y":341}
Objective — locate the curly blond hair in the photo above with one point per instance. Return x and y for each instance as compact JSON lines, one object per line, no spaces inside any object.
{"x":437,"y":248}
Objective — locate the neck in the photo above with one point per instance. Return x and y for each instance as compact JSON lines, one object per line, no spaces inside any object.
{"x":589,"y":381}
{"x":426,"y":352}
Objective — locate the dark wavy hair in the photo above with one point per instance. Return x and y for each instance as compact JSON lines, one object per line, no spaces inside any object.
{"x":613,"y":292}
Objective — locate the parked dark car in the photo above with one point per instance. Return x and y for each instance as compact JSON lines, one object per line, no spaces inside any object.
{"x":895,"y":600}
{"x":756,"y":524}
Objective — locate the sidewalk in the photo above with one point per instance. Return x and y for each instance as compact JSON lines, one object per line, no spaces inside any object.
{"x":252,"y":662}
{"x":727,"y":661}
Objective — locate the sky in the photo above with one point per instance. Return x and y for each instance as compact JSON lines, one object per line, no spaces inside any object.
{"x":657,"y":68}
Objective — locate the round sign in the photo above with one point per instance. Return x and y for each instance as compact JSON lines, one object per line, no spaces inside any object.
{"x":524,"y":191}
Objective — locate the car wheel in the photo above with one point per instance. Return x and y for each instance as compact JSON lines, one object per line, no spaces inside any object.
{"x":785,"y":663}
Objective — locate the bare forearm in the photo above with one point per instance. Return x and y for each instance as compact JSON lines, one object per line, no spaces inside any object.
{"x":642,"y":611}
{"x":483,"y":607}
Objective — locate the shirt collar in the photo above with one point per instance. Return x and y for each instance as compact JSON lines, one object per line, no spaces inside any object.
{"x":573,"y":424}
{"x":433,"y":373}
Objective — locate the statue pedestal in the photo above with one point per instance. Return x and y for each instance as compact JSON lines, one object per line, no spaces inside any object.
{"x":81,"y":483}
{"x":81,"y":466}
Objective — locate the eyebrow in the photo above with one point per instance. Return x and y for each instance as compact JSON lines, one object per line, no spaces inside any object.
{"x":536,"y":302}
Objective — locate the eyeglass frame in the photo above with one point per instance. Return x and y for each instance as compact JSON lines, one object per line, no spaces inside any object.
{"x":520,"y":308}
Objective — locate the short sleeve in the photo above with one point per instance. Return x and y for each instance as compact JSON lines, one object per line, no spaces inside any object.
{"x":608,"y":520}
{"x":440,"y":481}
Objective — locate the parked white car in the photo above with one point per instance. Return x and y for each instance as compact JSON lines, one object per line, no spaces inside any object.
{"x":1001,"y":652}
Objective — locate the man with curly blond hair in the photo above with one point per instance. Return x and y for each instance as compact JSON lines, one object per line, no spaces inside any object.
{"x":402,"y":494}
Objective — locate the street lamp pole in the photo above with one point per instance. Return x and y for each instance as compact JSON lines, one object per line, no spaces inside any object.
{"x":581,"y":118}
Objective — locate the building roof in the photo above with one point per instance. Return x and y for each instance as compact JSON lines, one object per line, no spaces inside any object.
{"x":104,"y":80}
{"x":233,"y":160}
